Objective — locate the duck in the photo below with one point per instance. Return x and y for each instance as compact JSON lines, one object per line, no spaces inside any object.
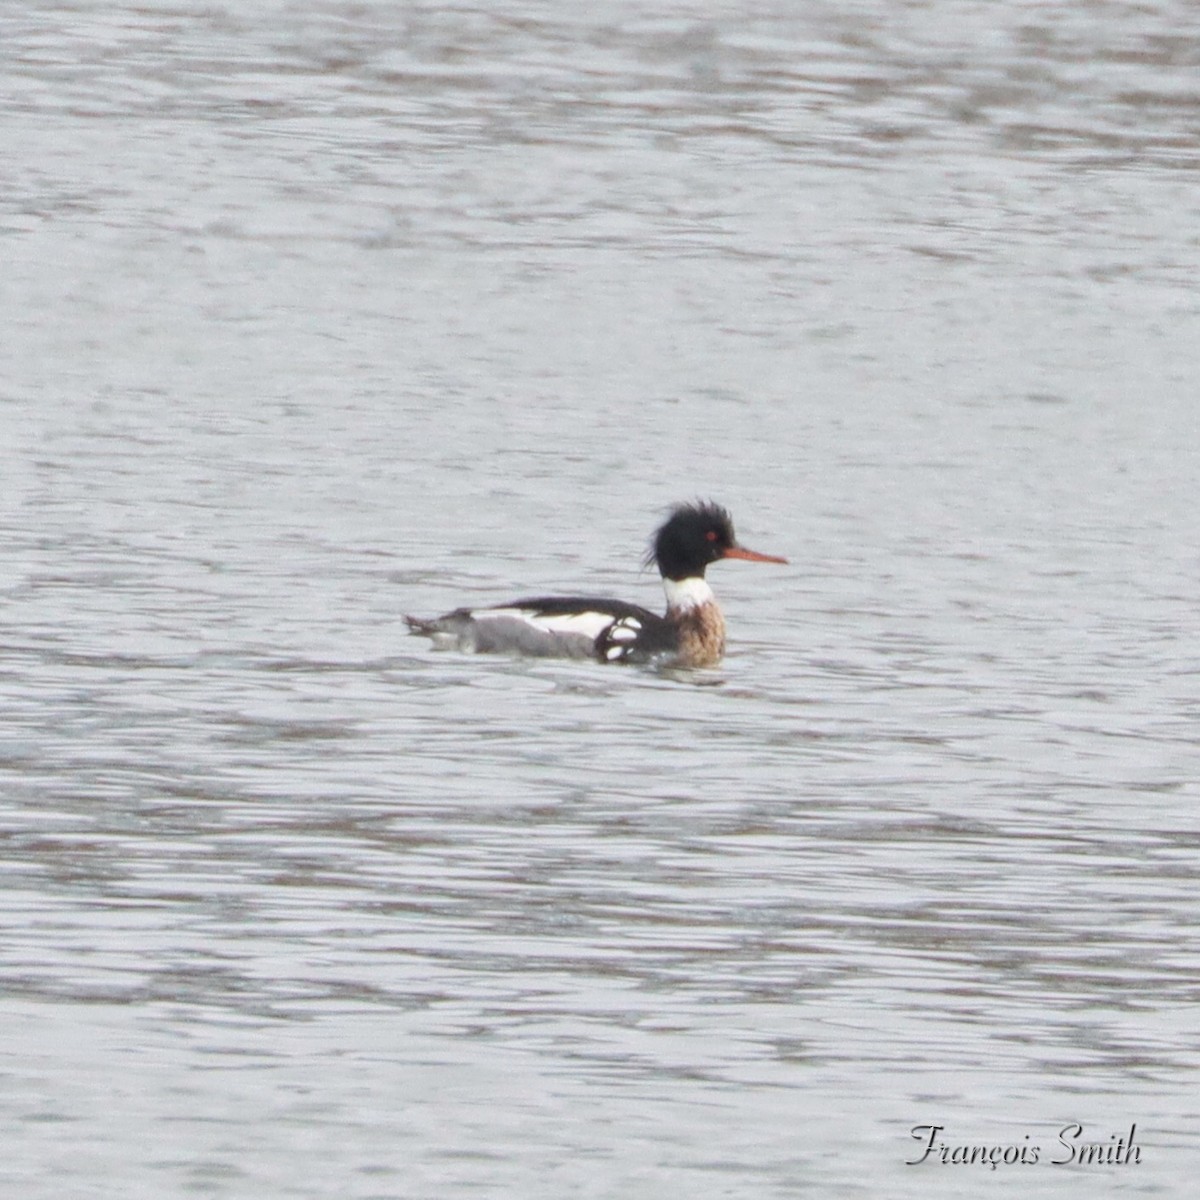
{"x":690,"y":633}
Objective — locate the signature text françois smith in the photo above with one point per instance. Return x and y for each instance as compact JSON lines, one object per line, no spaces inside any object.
{"x":1069,"y":1147}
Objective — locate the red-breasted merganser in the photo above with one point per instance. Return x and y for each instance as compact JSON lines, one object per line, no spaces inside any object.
{"x":691,"y":634}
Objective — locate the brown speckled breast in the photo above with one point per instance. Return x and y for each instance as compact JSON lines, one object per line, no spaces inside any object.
{"x":701,"y":635}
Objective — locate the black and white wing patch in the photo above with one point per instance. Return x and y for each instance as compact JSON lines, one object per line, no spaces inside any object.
{"x":618,"y":643}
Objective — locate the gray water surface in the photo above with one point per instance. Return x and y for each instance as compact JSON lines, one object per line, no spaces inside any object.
{"x":319,"y":313}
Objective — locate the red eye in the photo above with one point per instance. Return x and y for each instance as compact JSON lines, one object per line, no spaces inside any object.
{"x":711,"y":535}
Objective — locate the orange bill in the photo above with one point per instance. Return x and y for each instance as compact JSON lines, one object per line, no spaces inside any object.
{"x":751,"y":555}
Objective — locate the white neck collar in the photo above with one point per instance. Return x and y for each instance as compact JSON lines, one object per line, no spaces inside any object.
{"x":687,"y":593}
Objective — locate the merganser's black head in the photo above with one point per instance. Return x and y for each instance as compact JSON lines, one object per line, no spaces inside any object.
{"x":695,"y":535}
